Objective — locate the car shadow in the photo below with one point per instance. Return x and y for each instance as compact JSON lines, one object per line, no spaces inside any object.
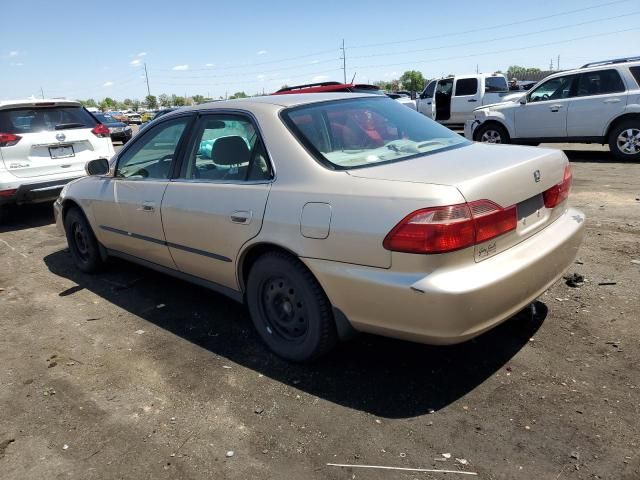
{"x":385,"y":377}
{"x":23,"y":217}
{"x":591,"y":156}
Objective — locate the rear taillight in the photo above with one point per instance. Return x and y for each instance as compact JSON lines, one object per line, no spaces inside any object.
{"x":445,"y":229}
{"x":560,"y":192}
{"x":100,"y":130}
{"x":8,"y":193}
{"x":9,"y":139}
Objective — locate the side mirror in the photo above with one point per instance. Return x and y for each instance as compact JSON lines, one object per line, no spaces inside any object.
{"x":523,"y":100}
{"x":100,"y":166}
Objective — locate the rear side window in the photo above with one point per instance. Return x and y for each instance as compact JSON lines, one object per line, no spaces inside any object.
{"x":635,"y":71}
{"x":496,"y":84}
{"x":599,"y":83}
{"x":466,"y":86}
{"x":30,"y":120}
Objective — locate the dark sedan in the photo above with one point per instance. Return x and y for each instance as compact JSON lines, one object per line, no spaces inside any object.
{"x":117,"y":130}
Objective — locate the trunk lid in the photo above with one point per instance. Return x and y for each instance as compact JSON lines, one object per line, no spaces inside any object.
{"x":505,"y":174}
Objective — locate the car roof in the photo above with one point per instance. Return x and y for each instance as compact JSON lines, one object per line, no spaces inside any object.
{"x":291,"y":100}
{"x":38,"y":102}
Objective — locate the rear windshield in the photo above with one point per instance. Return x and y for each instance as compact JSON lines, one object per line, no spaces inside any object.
{"x":362,"y":132}
{"x":29,"y":120}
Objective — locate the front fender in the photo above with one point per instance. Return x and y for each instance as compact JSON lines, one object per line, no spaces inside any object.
{"x":498,"y":117}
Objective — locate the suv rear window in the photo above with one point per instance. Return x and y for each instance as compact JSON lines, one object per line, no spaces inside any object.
{"x":30,"y":120}
{"x":362,"y":132}
{"x":636,"y":74}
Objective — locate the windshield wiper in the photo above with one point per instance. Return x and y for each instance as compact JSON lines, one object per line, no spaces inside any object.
{"x":64,"y":126}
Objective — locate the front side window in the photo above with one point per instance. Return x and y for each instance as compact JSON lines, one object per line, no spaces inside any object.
{"x":428,"y":92}
{"x":599,"y":83}
{"x":362,"y":132}
{"x":555,"y":89}
{"x":466,"y":86}
{"x":227,"y":148}
{"x":150,"y":157}
{"x":496,"y":84}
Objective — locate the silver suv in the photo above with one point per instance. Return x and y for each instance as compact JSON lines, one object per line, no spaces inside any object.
{"x":597,"y":103}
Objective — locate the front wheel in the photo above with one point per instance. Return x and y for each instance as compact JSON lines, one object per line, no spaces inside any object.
{"x":624,"y":140}
{"x":289,"y":309}
{"x":83,"y":244}
{"x":492,"y":133}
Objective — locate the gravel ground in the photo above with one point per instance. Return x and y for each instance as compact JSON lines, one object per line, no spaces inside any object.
{"x":131,"y":374}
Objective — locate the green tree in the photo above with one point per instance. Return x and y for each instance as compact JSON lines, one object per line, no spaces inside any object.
{"x":198,"y":99}
{"x":413,"y":81}
{"x":90,"y":102}
{"x":135,"y":105}
{"x":163,"y":100}
{"x":521,"y":73}
{"x":177,"y":101}
{"x":127,"y":102}
{"x":238,"y":95}
{"x":151,"y":102}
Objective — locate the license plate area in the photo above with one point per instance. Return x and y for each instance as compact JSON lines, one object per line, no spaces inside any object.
{"x":63,"y":151}
{"x":531,"y":214}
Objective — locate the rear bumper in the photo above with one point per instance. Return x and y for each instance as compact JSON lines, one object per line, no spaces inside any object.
{"x":41,"y":191}
{"x":452,"y":305}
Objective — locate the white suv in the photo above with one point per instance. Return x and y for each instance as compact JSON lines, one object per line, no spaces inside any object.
{"x":44,"y":144}
{"x":597,"y":103}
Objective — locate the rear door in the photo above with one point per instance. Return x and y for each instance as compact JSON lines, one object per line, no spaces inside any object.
{"x":217,"y":202}
{"x":600,"y":97}
{"x":466,"y":97}
{"x":52,"y":139}
{"x":129,"y":216}
{"x":495,"y":89}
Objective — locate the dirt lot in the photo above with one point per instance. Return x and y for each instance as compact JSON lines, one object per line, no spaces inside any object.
{"x":131,"y":374}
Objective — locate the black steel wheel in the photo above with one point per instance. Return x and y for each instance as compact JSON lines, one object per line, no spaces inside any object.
{"x":83,"y":245}
{"x":289,"y":309}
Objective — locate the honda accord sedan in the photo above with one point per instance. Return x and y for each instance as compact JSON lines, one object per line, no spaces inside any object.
{"x":331,"y":213}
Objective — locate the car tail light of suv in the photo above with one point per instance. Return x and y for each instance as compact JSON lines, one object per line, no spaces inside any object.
{"x":100,"y":130}
{"x":9,"y":139}
{"x":558,"y":193}
{"x":449,"y":228}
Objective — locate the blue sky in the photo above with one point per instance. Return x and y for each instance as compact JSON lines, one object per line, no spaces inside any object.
{"x":81,"y":49}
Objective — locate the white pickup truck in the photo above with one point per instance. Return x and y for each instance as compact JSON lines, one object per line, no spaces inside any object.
{"x":451,"y":100}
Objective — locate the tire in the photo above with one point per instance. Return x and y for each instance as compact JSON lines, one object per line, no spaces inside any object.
{"x":624,"y":140}
{"x":492,"y":133}
{"x":83,"y":245}
{"x":289,"y":309}
{"x":4,"y":213}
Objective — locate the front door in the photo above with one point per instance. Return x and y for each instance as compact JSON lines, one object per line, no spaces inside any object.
{"x":544,"y":115}
{"x":600,"y":97}
{"x":466,"y":97}
{"x":131,"y":222}
{"x":426,"y":104}
{"x":217,"y":202}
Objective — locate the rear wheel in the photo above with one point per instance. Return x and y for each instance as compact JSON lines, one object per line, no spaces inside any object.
{"x":82,"y":242}
{"x":492,"y":133}
{"x":624,"y":140}
{"x":289,"y":308}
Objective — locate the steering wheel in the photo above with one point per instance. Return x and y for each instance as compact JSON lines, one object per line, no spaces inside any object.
{"x":545,"y":96}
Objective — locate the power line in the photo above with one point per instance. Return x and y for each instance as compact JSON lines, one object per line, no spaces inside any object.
{"x":504,"y":50}
{"x":481,"y":29}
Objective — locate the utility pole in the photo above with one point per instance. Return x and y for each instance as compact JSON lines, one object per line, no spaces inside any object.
{"x":344,"y":62}
{"x":551,"y":65}
{"x":147,"y":77}
{"x":558,"y":63}
{"x":42,"y":93}
{"x":477,"y":68}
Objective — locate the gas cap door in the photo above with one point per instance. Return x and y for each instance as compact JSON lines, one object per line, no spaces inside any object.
{"x":315,"y":220}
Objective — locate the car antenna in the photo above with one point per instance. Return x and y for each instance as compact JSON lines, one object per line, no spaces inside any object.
{"x":354,"y":77}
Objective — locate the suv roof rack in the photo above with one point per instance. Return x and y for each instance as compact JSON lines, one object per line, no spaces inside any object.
{"x":612,"y":61}
{"x":308,"y":85}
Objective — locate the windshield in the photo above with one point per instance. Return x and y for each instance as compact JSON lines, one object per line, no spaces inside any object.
{"x":361,"y":132}
{"x":29,"y":120}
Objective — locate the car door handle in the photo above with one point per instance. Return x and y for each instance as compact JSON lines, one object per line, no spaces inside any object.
{"x":555,"y":108}
{"x":612,"y":100}
{"x":242,"y":217}
{"x":472,"y":100}
{"x":148,"y":206}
